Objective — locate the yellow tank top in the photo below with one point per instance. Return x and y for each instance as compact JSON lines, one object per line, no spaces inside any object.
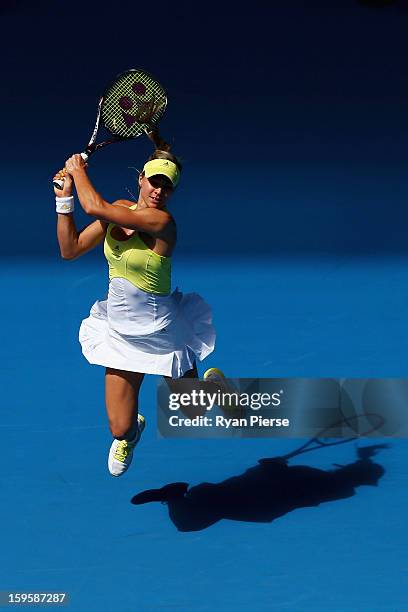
{"x":133,"y":260}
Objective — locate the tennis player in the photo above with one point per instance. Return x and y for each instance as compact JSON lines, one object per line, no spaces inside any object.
{"x":142,"y":327}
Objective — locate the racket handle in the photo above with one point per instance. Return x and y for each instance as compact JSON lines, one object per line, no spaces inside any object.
{"x":59,"y":183}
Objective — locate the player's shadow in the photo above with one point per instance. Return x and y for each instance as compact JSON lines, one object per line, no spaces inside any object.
{"x":264,"y":492}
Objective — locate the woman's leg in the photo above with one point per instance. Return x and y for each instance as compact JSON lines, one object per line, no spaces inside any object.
{"x":122,"y":393}
{"x":188,"y":411}
{"x":191,"y":373}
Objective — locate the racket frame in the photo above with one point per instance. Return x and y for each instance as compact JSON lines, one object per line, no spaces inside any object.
{"x":91,"y":146}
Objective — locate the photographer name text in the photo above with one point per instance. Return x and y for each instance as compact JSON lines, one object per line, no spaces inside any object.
{"x":227,"y":423}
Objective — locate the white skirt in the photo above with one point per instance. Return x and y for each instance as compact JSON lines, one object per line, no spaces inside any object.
{"x":140,"y":332}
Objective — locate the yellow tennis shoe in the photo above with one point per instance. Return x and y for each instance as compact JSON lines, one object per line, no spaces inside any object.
{"x":121,"y":451}
{"x":215,"y":375}
{"x":231,"y":401}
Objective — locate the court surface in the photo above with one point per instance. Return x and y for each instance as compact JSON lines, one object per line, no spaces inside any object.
{"x":67,"y":525}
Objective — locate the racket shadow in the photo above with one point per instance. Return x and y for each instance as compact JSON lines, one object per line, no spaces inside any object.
{"x":264,"y":492}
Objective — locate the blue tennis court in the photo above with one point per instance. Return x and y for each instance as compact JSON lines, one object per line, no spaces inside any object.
{"x":69,"y":526}
{"x":291,"y":122}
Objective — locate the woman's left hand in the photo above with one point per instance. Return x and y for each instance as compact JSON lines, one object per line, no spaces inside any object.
{"x":75,"y":163}
{"x":66,"y":187}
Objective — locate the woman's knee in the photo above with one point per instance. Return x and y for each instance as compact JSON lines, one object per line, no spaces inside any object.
{"x":121,"y":426}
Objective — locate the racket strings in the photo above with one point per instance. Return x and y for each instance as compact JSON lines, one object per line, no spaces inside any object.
{"x":132,"y":104}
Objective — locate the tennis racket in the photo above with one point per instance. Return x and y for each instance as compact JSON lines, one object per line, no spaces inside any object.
{"x":345,"y":430}
{"x":132,"y":105}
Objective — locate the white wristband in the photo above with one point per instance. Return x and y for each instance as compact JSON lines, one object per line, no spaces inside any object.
{"x":64,"y":205}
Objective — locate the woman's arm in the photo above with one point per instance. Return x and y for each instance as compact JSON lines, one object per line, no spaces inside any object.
{"x":72,"y":243}
{"x":152,"y":221}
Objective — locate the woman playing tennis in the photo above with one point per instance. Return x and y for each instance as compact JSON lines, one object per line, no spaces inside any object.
{"x":141,"y":328}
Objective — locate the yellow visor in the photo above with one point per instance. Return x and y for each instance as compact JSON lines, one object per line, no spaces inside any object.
{"x":162,"y":166}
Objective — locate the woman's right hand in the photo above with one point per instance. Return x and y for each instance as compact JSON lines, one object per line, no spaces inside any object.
{"x":66,"y":190}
